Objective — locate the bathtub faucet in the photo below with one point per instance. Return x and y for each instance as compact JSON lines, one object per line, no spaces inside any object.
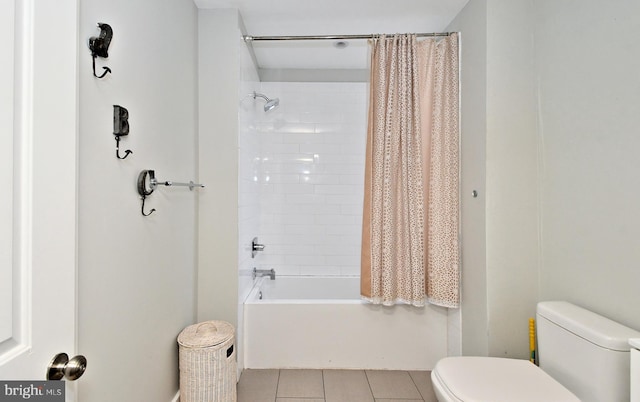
{"x":271,"y":273}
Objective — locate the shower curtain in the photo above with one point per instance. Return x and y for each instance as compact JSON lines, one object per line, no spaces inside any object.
{"x":410,"y":247}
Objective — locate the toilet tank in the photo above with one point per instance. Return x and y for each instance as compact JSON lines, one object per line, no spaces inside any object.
{"x":586,"y":352}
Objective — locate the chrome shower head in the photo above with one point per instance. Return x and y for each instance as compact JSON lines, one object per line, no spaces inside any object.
{"x":271,"y":103}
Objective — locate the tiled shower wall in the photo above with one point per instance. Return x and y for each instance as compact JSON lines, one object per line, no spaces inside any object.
{"x":311,"y":176}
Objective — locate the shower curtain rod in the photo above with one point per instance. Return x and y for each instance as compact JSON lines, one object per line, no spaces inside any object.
{"x":249,"y":38}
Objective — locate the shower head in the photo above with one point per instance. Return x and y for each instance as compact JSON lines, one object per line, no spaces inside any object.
{"x":271,"y":103}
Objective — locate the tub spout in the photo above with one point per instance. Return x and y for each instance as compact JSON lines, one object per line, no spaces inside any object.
{"x":271,"y":273}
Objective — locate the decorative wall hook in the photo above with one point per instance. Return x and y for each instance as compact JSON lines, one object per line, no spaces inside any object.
{"x":149,"y":176}
{"x":99,"y":47}
{"x":145,"y":191}
{"x":120,"y":128}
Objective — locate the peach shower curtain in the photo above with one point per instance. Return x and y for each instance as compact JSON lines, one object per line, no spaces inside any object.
{"x":410,"y":248}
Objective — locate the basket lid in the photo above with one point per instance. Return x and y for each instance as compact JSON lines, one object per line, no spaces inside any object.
{"x":206,"y":334}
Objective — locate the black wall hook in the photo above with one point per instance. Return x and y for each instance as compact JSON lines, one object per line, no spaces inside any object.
{"x":145,"y":191}
{"x":126,"y":152}
{"x":99,"y":47}
{"x":120,"y":128}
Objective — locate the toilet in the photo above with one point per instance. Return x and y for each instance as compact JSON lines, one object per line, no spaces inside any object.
{"x":583,"y":357}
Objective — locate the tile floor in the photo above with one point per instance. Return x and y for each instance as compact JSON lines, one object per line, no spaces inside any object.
{"x":335,"y":386}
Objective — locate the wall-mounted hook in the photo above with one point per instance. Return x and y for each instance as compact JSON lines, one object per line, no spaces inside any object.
{"x":120,"y":128}
{"x":145,"y":191}
{"x":150,"y":177}
{"x":99,"y":47}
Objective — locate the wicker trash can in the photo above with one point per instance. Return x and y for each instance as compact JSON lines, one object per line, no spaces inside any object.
{"x":207,"y":360}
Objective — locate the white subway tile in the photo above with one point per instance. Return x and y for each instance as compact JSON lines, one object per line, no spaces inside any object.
{"x":337,"y":249}
{"x":341,"y":168}
{"x":299,"y":219}
{"x":321,"y":149}
{"x":318,"y":179}
{"x":283,"y":269}
{"x":306,"y":229}
{"x":295,"y":127}
{"x":320,"y":270}
{"x":305,"y":198}
{"x":353,"y":270}
{"x":302,"y":138}
{"x":279,"y":178}
{"x":304,"y":260}
{"x":270,"y":259}
{"x":270,"y":149}
{"x":352,"y":210}
{"x":335,"y":219}
{"x":344,"y":230}
{"x":292,"y":188}
{"x":356,"y":199}
{"x":351,"y":240}
{"x":337,"y":189}
{"x":357,"y":179}
{"x":311,"y":163}
{"x":343,"y":260}
{"x":289,"y":249}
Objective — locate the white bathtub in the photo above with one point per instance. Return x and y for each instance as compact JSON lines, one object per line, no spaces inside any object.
{"x":321,"y":322}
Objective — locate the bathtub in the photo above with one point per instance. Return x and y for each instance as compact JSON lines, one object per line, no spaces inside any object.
{"x":321,"y":322}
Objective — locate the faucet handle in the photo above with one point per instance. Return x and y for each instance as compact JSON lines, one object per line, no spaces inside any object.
{"x":255,"y":247}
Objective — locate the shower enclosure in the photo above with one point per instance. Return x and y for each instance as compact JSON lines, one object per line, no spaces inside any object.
{"x":310,"y":177}
{"x":298,"y":187}
{"x":302,"y":178}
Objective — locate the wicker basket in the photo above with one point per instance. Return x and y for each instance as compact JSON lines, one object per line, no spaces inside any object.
{"x":207,"y":362}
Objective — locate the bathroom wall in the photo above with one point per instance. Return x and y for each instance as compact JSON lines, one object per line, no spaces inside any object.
{"x":248,"y":187}
{"x":587,"y":60}
{"x":228,"y":146}
{"x":560,"y":222}
{"x":219,"y":78}
{"x":500,"y":226}
{"x":511,"y":166}
{"x":311,"y":177}
{"x":472,"y":23}
{"x":136,"y":275}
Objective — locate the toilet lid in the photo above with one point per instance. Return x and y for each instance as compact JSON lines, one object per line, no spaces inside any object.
{"x":481,"y":379}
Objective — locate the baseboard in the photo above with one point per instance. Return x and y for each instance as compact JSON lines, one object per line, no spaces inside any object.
{"x":176,"y":398}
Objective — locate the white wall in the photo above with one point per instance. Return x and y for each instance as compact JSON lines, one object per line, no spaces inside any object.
{"x":588,"y":59}
{"x":219,"y":77}
{"x":311,"y":176}
{"x":228,"y":148}
{"x":561,"y":100}
{"x":511,"y":166}
{"x":499,"y":159}
{"x":472,"y":23}
{"x":136,"y":275}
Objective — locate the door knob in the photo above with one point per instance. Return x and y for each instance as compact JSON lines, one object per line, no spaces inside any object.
{"x":61,"y":367}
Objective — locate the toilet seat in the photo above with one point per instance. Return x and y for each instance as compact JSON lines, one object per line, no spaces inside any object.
{"x":482,"y":379}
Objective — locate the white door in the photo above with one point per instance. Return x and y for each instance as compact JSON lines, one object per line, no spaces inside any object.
{"x":38,"y":170}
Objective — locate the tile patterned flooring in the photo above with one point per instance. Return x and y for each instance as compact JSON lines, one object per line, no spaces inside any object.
{"x":335,"y":386}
